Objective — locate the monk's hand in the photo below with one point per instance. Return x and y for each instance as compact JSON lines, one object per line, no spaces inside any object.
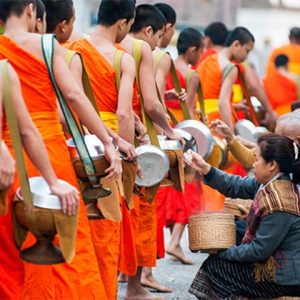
{"x":241,"y":107}
{"x":196,"y":161}
{"x":270,"y":118}
{"x":113,"y":157}
{"x":69,"y":197}
{"x":173,"y":135}
{"x":7,"y":167}
{"x":127,"y":149}
{"x":222,"y":129}
{"x":182,"y":96}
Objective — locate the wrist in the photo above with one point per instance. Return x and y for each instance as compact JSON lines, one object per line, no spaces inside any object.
{"x":206,"y":169}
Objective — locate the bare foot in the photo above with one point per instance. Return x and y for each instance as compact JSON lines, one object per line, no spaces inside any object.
{"x":179,"y":255}
{"x":141,"y":294}
{"x":122,"y":278}
{"x":147,"y":280}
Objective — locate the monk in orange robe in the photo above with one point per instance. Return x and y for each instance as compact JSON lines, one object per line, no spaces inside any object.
{"x":115,"y":107}
{"x":280,"y":86}
{"x":12,"y":271}
{"x":144,"y":216}
{"x":77,"y":280}
{"x":291,"y":50}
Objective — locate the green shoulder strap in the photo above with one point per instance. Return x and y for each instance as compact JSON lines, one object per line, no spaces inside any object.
{"x":137,"y":55}
{"x":17,"y":145}
{"x":48,"y":52}
{"x":178,"y":88}
{"x":117,"y":67}
{"x":227,"y":71}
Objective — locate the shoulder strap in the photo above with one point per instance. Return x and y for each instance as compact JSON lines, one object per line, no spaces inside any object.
{"x":118,"y":66}
{"x":17,"y":145}
{"x":48,"y":52}
{"x":137,"y":55}
{"x":85,"y":78}
{"x":227,"y":70}
{"x":189,"y":77}
{"x":178,"y":89}
{"x":158,"y":56}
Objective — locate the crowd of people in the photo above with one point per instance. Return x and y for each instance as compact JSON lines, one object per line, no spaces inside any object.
{"x":118,"y":82}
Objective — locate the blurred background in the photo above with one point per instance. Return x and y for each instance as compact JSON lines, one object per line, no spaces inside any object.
{"x":268,"y":20}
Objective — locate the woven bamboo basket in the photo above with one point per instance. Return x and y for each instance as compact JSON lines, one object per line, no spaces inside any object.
{"x":232,"y":206}
{"x":211,"y":231}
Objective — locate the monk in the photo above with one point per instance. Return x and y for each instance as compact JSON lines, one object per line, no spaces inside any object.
{"x":181,"y":205}
{"x":77,"y":280}
{"x":215,"y":35}
{"x":115,"y":107}
{"x":148,"y":27}
{"x":12,"y":270}
{"x":291,"y":50}
{"x":281,"y":86}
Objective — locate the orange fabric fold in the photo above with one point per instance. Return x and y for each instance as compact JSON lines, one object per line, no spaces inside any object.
{"x":101,"y":75}
{"x":281,"y":91}
{"x":80,"y":279}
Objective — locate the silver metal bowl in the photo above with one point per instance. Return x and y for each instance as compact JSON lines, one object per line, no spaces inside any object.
{"x":94,"y":146}
{"x":201,"y":134}
{"x":154,"y":165}
{"x":190,"y":142}
{"x":41,"y":194}
{"x":247,"y":130}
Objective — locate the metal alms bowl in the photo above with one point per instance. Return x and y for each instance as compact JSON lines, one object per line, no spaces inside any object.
{"x":154,"y":165}
{"x":41,"y":194}
{"x":170,"y":144}
{"x":190,"y":142}
{"x":93,"y":144}
{"x":247,"y":130}
{"x":201,"y":134}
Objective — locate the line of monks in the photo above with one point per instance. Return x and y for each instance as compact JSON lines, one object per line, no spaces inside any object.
{"x":129,"y":237}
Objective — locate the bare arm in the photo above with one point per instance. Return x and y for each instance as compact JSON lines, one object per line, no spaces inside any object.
{"x":124,"y":110}
{"x":162,"y":72}
{"x":36,"y":150}
{"x":257,"y":90}
{"x":152,"y":104}
{"x":84,"y":109}
{"x":191,"y":93}
{"x":225,"y":96}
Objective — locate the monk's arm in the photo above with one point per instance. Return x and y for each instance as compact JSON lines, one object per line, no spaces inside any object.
{"x":191,"y":93}
{"x":225,"y":97}
{"x":162,"y":71}
{"x":84,"y":109}
{"x":257,"y":90}
{"x":153,"y":107}
{"x":36,"y":149}
{"x":124,"y":111}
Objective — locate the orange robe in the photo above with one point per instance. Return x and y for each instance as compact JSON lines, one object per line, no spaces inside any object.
{"x":80,"y":279}
{"x":281,"y":91}
{"x":105,"y":233}
{"x":292,"y":51}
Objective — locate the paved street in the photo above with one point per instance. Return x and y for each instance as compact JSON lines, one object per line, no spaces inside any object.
{"x":174,"y":274}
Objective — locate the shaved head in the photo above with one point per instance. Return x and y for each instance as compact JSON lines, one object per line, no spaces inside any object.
{"x":289,"y":125}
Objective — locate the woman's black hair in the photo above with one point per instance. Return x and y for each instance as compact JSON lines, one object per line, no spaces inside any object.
{"x":284,"y":151}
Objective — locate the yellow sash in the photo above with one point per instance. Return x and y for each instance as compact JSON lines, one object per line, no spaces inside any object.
{"x":110,"y":119}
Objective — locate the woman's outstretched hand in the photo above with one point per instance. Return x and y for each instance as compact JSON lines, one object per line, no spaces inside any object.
{"x":196,"y":161}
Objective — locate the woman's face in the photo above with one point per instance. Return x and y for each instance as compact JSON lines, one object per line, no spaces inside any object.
{"x":264,"y":171}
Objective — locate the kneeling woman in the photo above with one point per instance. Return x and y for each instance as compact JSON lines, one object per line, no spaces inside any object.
{"x":267,"y":263}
